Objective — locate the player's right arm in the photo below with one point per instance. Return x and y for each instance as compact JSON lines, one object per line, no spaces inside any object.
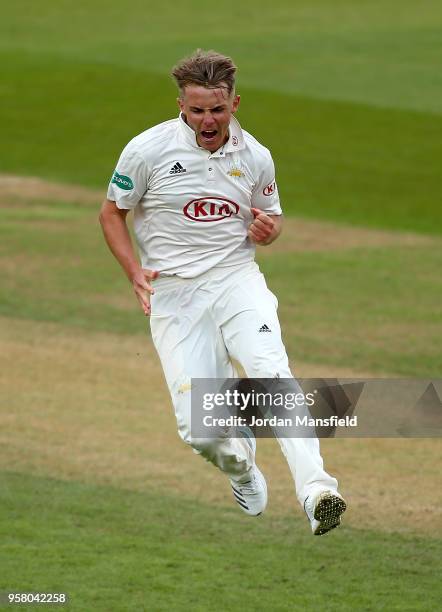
{"x":116,"y":233}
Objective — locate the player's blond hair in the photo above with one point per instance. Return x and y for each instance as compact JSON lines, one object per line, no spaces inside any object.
{"x":207,"y":68}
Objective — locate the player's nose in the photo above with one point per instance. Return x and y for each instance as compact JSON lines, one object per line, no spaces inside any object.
{"x":208,"y":120}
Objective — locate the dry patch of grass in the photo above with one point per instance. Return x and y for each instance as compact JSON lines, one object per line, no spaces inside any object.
{"x":28,"y":188}
{"x":303,"y":235}
{"x":94,"y":407}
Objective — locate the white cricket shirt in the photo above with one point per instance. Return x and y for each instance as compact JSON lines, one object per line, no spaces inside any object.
{"x":191,"y":206}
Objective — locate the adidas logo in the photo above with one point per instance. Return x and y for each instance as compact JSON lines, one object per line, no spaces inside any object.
{"x":265,"y":328}
{"x":177,"y":169}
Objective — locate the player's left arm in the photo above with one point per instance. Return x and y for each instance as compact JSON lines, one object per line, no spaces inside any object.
{"x":265,"y":228}
{"x":265,"y":206}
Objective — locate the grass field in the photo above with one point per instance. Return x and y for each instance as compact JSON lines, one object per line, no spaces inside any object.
{"x":123,"y":550}
{"x":99,"y":497}
{"x":347,"y":95}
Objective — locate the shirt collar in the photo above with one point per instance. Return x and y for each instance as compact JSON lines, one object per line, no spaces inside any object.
{"x":236,"y":140}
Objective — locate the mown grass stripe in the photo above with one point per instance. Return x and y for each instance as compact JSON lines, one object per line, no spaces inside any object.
{"x":339,"y":161}
{"x":115,"y":549}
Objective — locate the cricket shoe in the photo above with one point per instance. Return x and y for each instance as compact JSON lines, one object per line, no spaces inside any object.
{"x":324,"y":511}
{"x":251,"y":493}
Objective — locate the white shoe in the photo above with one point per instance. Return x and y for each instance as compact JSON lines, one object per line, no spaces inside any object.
{"x":251,"y":494}
{"x":324,"y":511}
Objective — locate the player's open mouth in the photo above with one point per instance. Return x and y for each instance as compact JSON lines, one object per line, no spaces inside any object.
{"x":209,"y":134}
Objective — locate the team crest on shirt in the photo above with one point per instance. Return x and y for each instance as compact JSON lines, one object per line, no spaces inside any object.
{"x":235,"y":167}
{"x":210,"y":209}
{"x":237,"y":172}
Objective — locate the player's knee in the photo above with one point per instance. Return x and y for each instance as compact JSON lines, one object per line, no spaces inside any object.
{"x":200,"y":445}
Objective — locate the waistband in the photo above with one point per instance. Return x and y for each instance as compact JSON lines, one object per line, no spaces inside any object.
{"x":170,"y":282}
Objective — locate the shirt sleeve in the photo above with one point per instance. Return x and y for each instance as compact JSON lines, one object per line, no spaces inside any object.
{"x":129,"y":181}
{"x":265,"y":194}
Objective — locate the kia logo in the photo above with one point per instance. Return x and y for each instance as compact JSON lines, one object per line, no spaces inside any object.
{"x":210,"y":209}
{"x":270,"y":189}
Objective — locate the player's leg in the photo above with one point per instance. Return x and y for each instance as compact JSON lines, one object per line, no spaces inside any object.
{"x":248,"y":318}
{"x":190,"y":346}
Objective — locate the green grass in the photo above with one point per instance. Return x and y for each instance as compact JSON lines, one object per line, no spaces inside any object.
{"x":111,"y":549}
{"x":384,"y":53}
{"x":375,"y":310}
{"x":345,"y":94}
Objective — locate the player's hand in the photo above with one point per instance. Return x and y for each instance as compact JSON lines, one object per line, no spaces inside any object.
{"x":261,"y":230}
{"x":143,"y":289}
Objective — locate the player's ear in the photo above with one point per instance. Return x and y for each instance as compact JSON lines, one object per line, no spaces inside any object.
{"x":180,"y":104}
{"x":235,"y":103}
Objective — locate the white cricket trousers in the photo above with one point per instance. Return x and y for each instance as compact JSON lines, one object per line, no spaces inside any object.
{"x":197,"y":325}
